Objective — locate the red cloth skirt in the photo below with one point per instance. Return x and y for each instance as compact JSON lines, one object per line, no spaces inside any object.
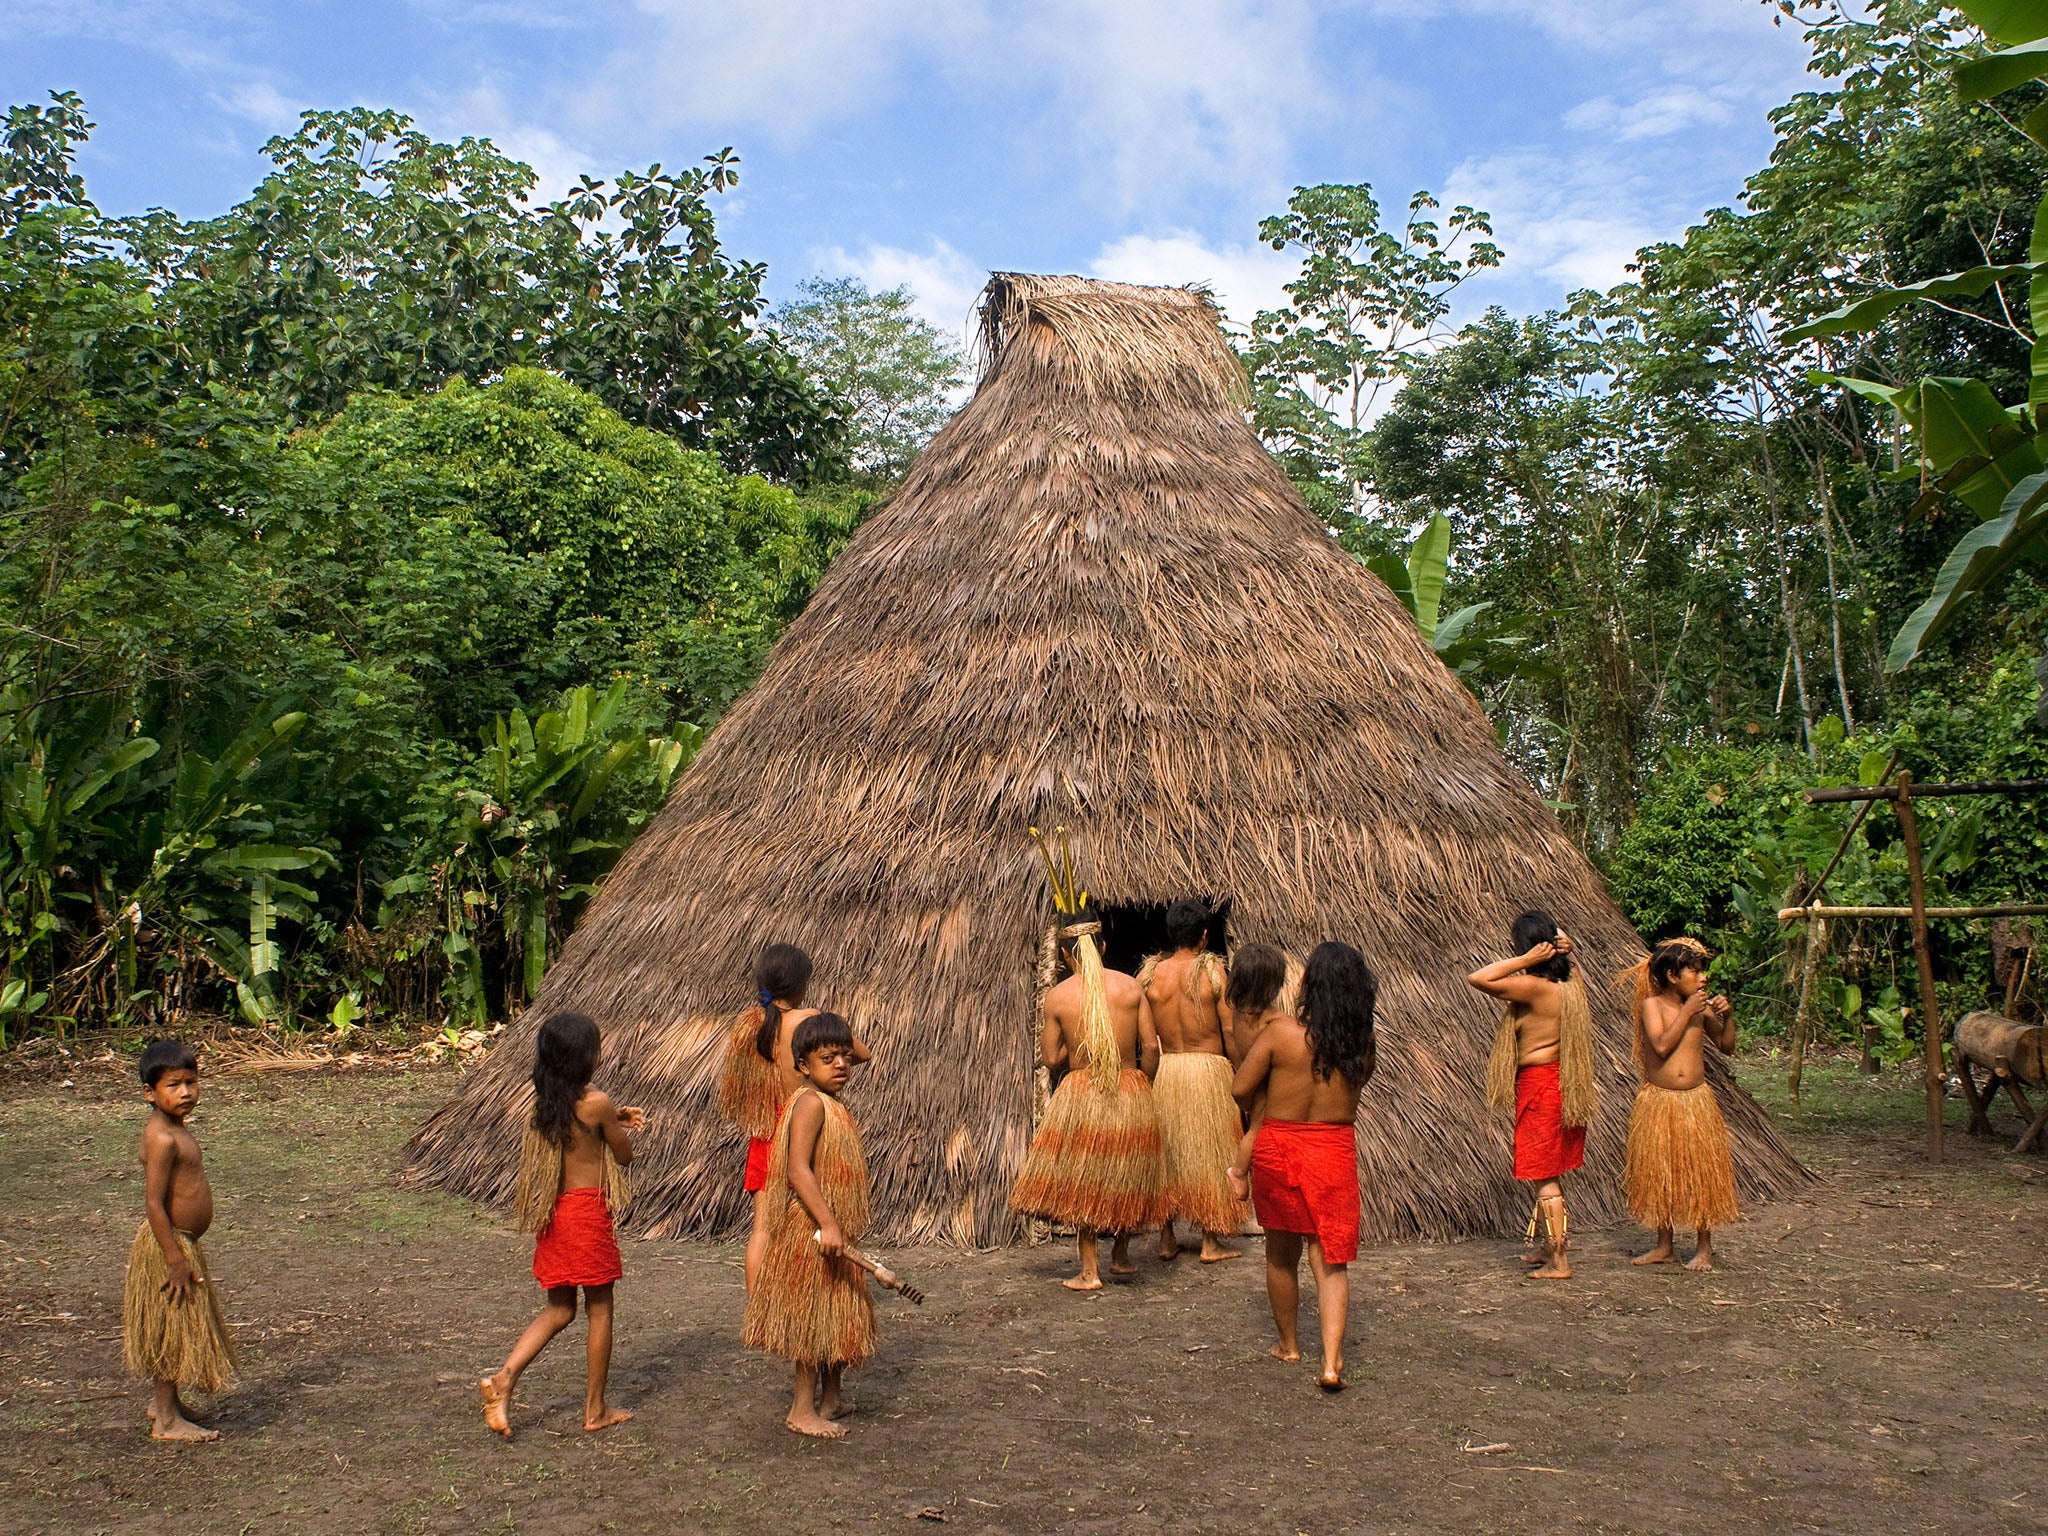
{"x":758,"y":1148}
{"x":1544,"y":1145}
{"x":1305,"y":1180}
{"x":578,"y":1246}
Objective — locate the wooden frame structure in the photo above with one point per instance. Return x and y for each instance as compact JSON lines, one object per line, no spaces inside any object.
{"x":1902,"y":792}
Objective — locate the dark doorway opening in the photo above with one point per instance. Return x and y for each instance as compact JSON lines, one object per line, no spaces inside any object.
{"x":1133,"y":931}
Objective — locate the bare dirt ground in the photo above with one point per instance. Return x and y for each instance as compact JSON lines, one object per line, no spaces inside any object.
{"x":1871,"y":1357}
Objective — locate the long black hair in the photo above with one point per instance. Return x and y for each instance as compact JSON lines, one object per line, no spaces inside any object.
{"x":564,"y":1056}
{"x":1257,"y":973}
{"x":783,"y":971}
{"x":1539,"y":927}
{"x":1338,"y":990}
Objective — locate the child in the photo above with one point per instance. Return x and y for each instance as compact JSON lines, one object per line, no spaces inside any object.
{"x":760,"y":1074}
{"x":1305,"y":1165}
{"x":1250,"y":1003}
{"x":1679,"y":1170}
{"x":571,"y":1183}
{"x":171,"y":1325}
{"x":1541,"y":1073}
{"x":808,"y":1304}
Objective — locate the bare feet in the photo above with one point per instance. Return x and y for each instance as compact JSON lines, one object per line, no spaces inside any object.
{"x":1558,"y":1268}
{"x":496,"y":1402}
{"x":1214,"y":1252}
{"x":1120,"y":1256}
{"x":815,"y":1425}
{"x":1083,"y":1282}
{"x":1532,"y":1255}
{"x":1240,"y":1185}
{"x":1122,"y":1266}
{"x":177,"y":1427}
{"x":1661,"y":1254}
{"x":842,"y":1408}
{"x":1332,"y":1378}
{"x":605,"y":1418}
{"x":1169,"y":1248}
{"x":1703,"y":1260}
{"x":1285,"y":1352}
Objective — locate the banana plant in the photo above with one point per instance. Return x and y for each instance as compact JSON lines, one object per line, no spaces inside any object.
{"x":49,"y":797}
{"x":1992,"y":458}
{"x":535,"y":829}
{"x":215,"y":884}
{"x":1418,"y":580}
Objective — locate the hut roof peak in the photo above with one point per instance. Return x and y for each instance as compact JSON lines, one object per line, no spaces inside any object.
{"x":1082,"y":336}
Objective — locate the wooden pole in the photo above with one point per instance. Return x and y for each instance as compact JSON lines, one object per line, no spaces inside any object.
{"x":1888,"y":792}
{"x":1799,"y":914}
{"x":1923,"y":957}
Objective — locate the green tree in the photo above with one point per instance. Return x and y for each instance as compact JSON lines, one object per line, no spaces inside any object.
{"x":894,"y":374}
{"x":1367,"y":304}
{"x":375,"y":256}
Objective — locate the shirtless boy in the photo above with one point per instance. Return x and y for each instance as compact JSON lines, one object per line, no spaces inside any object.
{"x":1542,"y":1072}
{"x":1680,"y":1172}
{"x":1198,"y":1120}
{"x":1094,"y":1164}
{"x":172,"y":1328}
{"x":1305,"y":1165}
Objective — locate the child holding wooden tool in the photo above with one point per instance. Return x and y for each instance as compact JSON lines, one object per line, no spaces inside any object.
{"x":810,"y":1302}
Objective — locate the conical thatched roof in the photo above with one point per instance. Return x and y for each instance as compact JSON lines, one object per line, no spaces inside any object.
{"x":1096,"y":601}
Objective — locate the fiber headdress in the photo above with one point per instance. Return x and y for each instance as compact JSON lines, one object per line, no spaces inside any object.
{"x":1100,"y":1057}
{"x":1577,"y":1083}
{"x":1639,"y":976}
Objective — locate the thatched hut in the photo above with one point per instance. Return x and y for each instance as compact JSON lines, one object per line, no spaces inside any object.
{"x":1096,"y":601}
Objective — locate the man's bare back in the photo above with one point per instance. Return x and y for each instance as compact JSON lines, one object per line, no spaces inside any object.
{"x":1283,"y":1058}
{"x":1130,"y":1016}
{"x":1184,"y":998}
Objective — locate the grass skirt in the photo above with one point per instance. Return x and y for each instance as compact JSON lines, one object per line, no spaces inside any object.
{"x":804,"y":1306}
{"x":183,"y":1341}
{"x":1679,"y":1173}
{"x":1198,"y":1134}
{"x":1095,"y":1161}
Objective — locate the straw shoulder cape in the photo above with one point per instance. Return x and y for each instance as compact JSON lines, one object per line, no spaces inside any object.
{"x":1076,"y":582}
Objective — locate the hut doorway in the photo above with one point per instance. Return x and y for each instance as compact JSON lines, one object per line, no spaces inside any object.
{"x":1131,"y":931}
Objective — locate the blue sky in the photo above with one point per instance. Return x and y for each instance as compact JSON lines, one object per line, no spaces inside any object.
{"x":927,"y":144}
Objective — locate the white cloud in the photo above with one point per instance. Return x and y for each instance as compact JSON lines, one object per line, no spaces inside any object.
{"x":1244,"y":278}
{"x":943,"y":283}
{"x":1577,"y":222}
{"x":1154,"y":96}
{"x":484,"y":111}
{"x":258,"y":102}
{"x":1654,"y":113}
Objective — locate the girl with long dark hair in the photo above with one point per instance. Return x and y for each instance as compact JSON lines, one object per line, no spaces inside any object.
{"x":1305,"y":1161}
{"x":760,"y":1073}
{"x":1541,"y":1073}
{"x":571,"y":1185}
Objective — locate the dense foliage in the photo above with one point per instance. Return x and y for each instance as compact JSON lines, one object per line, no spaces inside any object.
{"x":1706,"y":546}
{"x":343,"y":650}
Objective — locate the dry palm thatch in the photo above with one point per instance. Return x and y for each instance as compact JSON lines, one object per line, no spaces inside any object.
{"x":1095,"y":601}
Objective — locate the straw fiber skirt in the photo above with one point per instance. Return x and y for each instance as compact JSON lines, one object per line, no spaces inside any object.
{"x":805,"y":1307}
{"x":1095,"y":1160}
{"x":1198,"y":1133}
{"x":183,"y":1341}
{"x":1679,"y":1172}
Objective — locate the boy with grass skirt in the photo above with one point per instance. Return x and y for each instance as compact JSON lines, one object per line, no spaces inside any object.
{"x":809,"y":1303}
{"x":1680,"y":1172}
{"x":172,"y":1331}
{"x":1094,"y":1164}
